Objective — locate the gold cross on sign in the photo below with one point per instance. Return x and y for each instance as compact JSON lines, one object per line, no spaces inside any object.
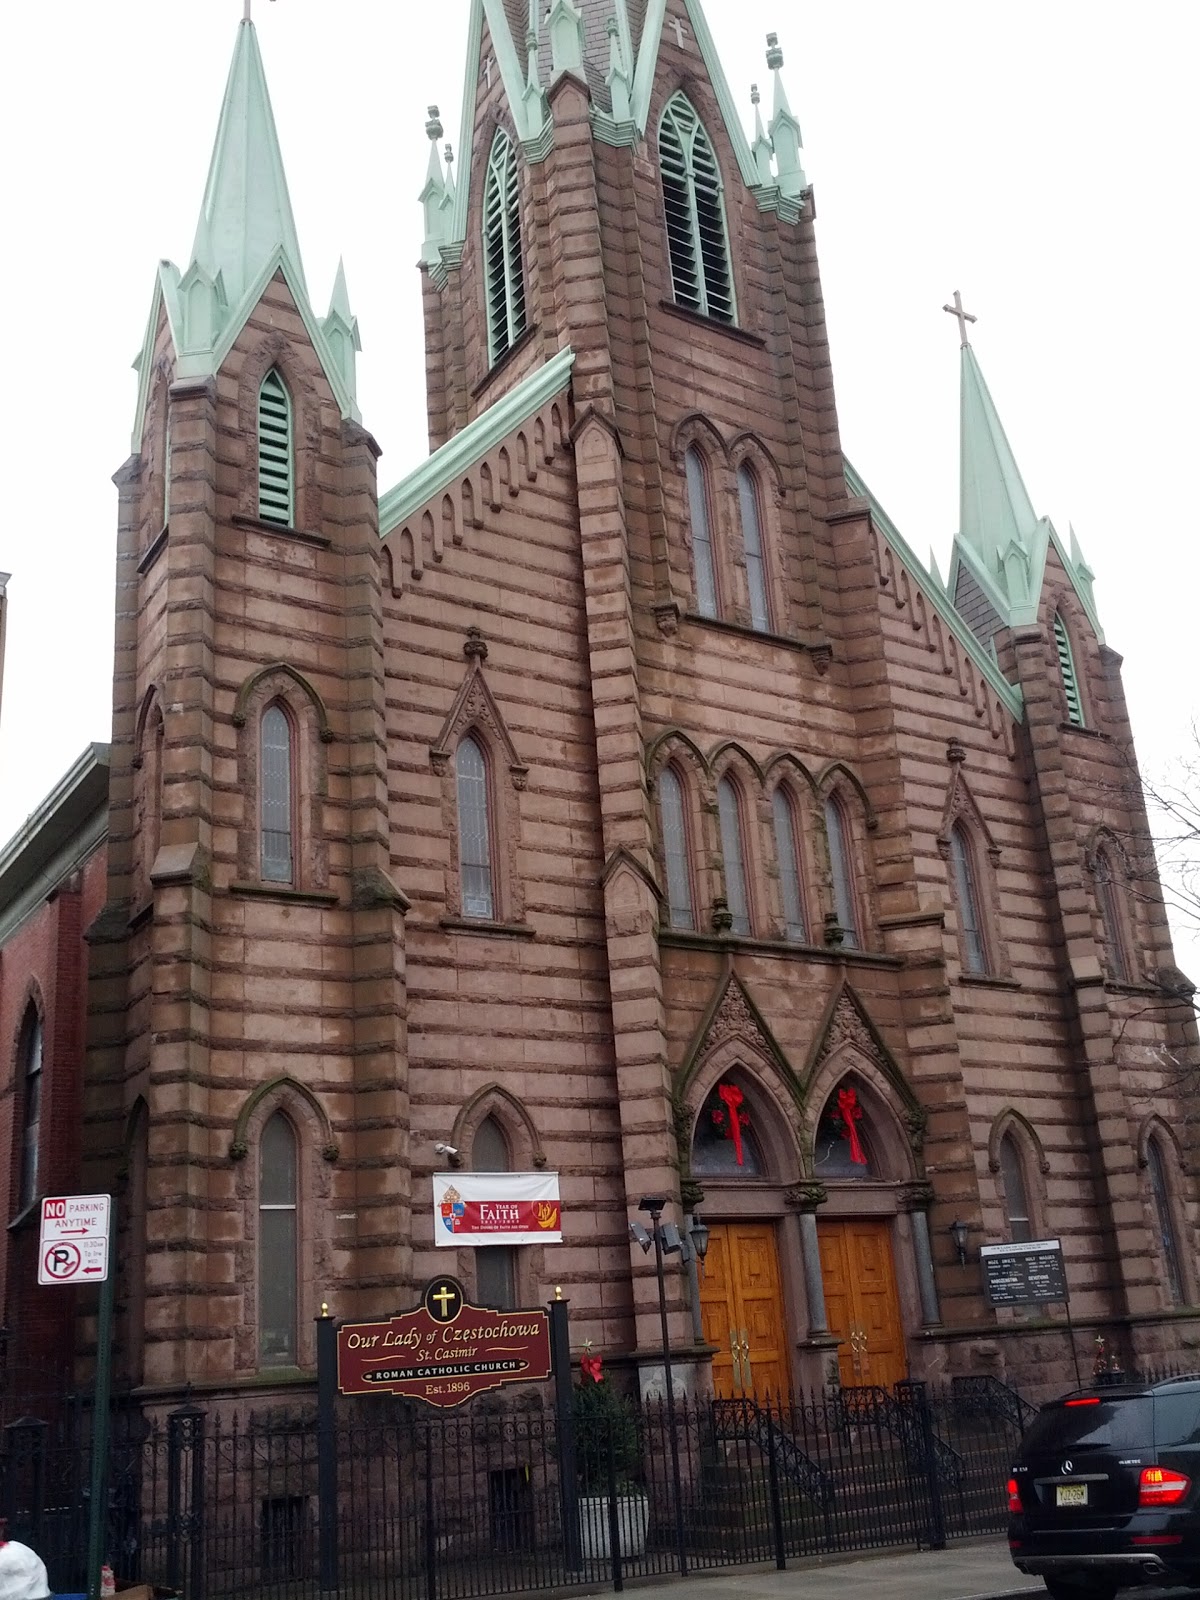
{"x":956,"y":310}
{"x":444,"y":1297}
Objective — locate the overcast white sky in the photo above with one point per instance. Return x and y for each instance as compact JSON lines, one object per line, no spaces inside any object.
{"x":1039,"y":155}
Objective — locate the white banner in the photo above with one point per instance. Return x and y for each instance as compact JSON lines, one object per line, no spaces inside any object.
{"x":475,"y":1208}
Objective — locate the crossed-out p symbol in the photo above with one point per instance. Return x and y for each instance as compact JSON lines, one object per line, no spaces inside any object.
{"x":62,"y":1260}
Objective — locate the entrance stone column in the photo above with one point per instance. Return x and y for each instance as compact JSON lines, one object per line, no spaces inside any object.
{"x":916,"y":1199}
{"x":806,"y":1197}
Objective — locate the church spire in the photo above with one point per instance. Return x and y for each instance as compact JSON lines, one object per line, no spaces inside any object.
{"x":995,"y":511}
{"x":247,"y":214}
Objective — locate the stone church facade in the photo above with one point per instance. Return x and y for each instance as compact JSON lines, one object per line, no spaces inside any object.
{"x":616,"y":795}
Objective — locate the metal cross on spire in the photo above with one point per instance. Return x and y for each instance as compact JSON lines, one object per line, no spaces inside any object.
{"x":956,"y":310}
{"x":246,"y":17}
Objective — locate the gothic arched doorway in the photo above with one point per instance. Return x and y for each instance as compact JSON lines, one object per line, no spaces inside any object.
{"x":742,"y":1292}
{"x":862,"y":1302}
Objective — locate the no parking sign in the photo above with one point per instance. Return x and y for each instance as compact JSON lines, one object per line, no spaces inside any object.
{"x":74,"y":1241}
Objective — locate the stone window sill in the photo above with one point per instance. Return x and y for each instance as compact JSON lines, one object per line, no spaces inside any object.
{"x":501,"y":362}
{"x":682,"y":939}
{"x":1087,"y":733}
{"x":698,"y":319}
{"x":501,"y":930}
{"x":279,"y":530}
{"x":745,"y":631}
{"x":285,"y":893}
{"x":988,"y":980}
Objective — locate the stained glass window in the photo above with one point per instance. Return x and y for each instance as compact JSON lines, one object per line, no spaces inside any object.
{"x":1016,"y":1195}
{"x":756,"y":571}
{"x":702,"y":549}
{"x":1107,"y":893}
{"x":842,"y":1147}
{"x":277,"y":1244}
{"x":729,"y":811}
{"x":789,"y":867}
{"x":842,"y":872}
{"x":675,"y":850}
{"x":31,"y":1112}
{"x":1166,"y":1226}
{"x":961,"y":858}
{"x":276,"y":780}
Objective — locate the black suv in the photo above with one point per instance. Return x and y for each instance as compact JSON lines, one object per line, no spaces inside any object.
{"x":1105,"y":1492}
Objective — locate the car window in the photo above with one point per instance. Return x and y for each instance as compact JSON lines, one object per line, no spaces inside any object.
{"x":1177,"y":1419}
{"x":1120,"y":1424}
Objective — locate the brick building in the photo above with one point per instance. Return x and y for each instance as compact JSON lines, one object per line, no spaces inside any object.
{"x":617,"y":794}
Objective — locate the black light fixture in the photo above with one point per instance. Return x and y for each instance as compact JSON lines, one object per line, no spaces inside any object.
{"x":639,"y":1235}
{"x":699,"y":1234}
{"x":959,"y":1232}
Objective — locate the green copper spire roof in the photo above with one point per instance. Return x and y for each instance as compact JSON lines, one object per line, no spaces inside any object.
{"x":995,"y":508}
{"x":244,"y":236}
{"x":247,"y":215}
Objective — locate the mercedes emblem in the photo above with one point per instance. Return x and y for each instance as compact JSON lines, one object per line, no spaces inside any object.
{"x":1068,"y":1466}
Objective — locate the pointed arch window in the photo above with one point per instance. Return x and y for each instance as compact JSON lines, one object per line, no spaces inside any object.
{"x":843,"y":1144}
{"x":1108,"y":896}
{"x":788,"y":855}
{"x":31,"y":1109}
{"x":1066,"y":666}
{"x":966,"y":894}
{"x":756,"y":569}
{"x":841,"y":870}
{"x":697,"y":241}
{"x":1016,"y":1191}
{"x":474,"y":829}
{"x":676,"y":854}
{"x":1165,"y":1220}
{"x":504,"y":281}
{"x":702,"y":545}
{"x":495,"y":1264}
{"x":733,"y":852}
{"x":278,"y":1244}
{"x":275,"y":778}
{"x":715,"y":1149}
{"x":275,"y":451}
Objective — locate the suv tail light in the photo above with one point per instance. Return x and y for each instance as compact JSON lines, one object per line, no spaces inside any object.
{"x":1014,"y":1496}
{"x":1159,"y":1486}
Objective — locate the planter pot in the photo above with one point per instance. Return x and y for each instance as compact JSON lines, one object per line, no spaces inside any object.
{"x":633,"y":1517}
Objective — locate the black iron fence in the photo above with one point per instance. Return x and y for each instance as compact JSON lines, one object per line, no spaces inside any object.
{"x":399,"y":1504}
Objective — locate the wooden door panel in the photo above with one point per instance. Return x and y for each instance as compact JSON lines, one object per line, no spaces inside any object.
{"x":717,"y":1308}
{"x":740,"y":1297}
{"x":862,"y":1307}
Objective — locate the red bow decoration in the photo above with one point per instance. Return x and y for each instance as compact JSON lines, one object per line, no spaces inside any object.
{"x":851,"y":1112}
{"x":590,"y":1365}
{"x":736,"y":1120}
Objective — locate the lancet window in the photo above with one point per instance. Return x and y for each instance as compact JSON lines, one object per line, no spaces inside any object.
{"x":841,"y":868}
{"x":504,"y":279}
{"x":787,"y":853}
{"x":697,"y":241}
{"x":676,"y":853}
{"x":31,"y":1109}
{"x":752,"y":545}
{"x":1108,"y":896}
{"x":724,"y":1142}
{"x":276,"y":469}
{"x":729,"y":813}
{"x":278,"y":1244}
{"x":966,"y":894}
{"x":277,"y":832}
{"x":1164,"y":1217}
{"x":473,"y":785}
{"x":1016,"y":1191}
{"x":703,"y":556}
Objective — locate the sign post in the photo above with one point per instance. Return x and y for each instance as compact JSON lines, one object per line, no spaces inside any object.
{"x":1029,"y":1274}
{"x":76,"y":1247}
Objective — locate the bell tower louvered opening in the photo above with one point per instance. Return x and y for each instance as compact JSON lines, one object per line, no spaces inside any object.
{"x":275,"y":488}
{"x":695,"y":213}
{"x":1066,"y":665}
{"x":504,"y":282}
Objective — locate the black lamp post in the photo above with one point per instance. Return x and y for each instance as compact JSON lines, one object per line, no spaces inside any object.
{"x":653,"y":1204}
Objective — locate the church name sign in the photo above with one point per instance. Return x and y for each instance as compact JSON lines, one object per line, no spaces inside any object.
{"x":473,"y":1208}
{"x":1024,"y":1274}
{"x":443,"y":1351}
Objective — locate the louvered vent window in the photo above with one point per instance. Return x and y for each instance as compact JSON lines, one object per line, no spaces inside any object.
{"x":1066,"y":665}
{"x":504,"y":282}
{"x":695,"y":213}
{"x":274,"y":451}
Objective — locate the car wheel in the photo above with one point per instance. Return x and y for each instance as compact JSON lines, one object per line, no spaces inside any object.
{"x":1080,"y":1589}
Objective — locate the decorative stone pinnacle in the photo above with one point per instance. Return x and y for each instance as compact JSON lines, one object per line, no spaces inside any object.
{"x":755,"y":97}
{"x":449,"y":154}
{"x":956,"y":752}
{"x":611,"y":27}
{"x":475,"y":648}
{"x":433,"y":128}
{"x":774,"y":53}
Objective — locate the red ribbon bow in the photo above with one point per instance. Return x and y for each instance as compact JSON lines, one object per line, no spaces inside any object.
{"x":589,"y":1365}
{"x":851,"y":1112}
{"x":733,"y":1097}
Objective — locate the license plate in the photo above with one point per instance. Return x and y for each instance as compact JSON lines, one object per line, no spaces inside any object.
{"x":1071,"y":1494}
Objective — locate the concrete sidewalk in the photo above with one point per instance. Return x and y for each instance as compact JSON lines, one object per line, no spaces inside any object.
{"x":978,"y":1570}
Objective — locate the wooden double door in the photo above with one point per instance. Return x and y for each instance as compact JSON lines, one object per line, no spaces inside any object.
{"x":862,"y":1307}
{"x":741,"y":1306}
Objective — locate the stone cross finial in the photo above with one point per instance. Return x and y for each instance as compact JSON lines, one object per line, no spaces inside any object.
{"x":433,"y":128}
{"x":956,"y":310}
{"x":774,"y":53}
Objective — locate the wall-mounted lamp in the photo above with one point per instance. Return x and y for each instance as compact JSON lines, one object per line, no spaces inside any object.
{"x":699,"y":1236}
{"x":958,"y":1232}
